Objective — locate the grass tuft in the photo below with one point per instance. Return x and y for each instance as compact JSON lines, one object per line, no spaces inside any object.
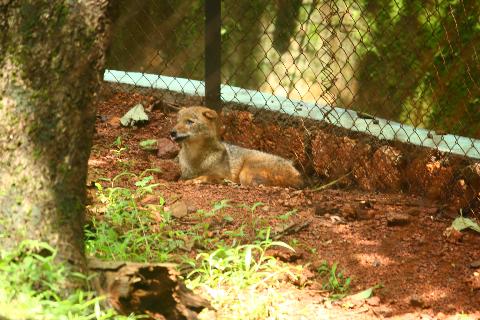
{"x":32,"y":286}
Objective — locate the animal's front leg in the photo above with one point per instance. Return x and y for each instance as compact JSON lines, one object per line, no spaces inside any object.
{"x":197,"y":180}
{"x":204,"y":179}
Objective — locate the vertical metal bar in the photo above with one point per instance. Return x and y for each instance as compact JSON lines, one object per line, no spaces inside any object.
{"x":213,"y":24}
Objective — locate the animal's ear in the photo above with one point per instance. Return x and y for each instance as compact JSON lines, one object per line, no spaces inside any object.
{"x":210,"y":114}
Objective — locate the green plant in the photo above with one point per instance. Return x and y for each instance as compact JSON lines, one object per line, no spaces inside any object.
{"x":32,"y":286}
{"x":241,"y":275}
{"x":254,"y":218}
{"x":262,"y":233}
{"x":294,"y":242}
{"x":334,"y":281}
{"x":288,"y":214}
{"x":241,"y":265}
{"x":148,"y":145}
{"x":118,"y":144}
{"x":236,"y":233}
{"x":124,"y":231}
{"x":217,"y":207}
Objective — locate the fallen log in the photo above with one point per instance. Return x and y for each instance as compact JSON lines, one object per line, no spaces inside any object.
{"x":153,"y":289}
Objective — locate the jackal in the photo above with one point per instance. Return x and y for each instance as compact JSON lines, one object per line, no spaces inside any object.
{"x":204,"y":157}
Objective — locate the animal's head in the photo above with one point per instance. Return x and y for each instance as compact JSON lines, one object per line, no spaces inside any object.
{"x":196,"y":123}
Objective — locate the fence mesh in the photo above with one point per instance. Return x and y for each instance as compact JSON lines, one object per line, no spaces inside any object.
{"x":409,"y":62}
{"x":161,"y":37}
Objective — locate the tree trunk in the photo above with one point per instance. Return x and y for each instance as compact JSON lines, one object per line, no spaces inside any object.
{"x":51,"y":58}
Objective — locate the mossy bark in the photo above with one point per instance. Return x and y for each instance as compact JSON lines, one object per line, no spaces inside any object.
{"x":51,"y":59}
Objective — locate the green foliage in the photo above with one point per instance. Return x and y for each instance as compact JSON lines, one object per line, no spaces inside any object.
{"x":333,"y":280}
{"x":241,"y":275}
{"x":118,"y":144}
{"x":255,"y":230}
{"x":416,"y":63}
{"x":150,"y":144}
{"x":462,"y":223}
{"x":288,"y":214}
{"x":365,"y":294}
{"x":32,"y":286}
{"x":124,"y":233}
{"x":234,"y":269}
{"x":242,"y":265}
{"x":218,"y":207}
{"x":128,"y":231}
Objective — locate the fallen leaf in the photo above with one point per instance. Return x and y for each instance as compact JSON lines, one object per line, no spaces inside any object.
{"x":134,"y":116}
{"x":179,"y":209}
{"x":462,"y":223}
{"x":365,"y":294}
{"x":148,"y":145}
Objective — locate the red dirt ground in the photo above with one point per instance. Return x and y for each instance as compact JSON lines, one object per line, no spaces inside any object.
{"x":396,"y":240}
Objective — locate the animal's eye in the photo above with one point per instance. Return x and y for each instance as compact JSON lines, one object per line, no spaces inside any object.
{"x":189,"y":121}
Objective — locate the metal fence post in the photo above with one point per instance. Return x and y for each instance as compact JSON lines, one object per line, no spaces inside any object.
{"x":212,"y":53}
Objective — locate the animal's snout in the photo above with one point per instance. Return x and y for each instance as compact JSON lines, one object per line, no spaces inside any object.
{"x":178,"y":137}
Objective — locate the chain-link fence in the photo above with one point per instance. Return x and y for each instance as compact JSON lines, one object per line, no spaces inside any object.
{"x":396,"y":69}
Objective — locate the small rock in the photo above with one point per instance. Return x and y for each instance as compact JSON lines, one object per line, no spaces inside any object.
{"x":385,"y":311}
{"x":366,"y":214}
{"x":149,"y":199}
{"x":323,"y":208}
{"x":320,"y":210}
{"x":472,"y":175}
{"x":451,"y":307}
{"x":167,"y":149}
{"x":414,"y":212}
{"x":189,"y":244}
{"x":114,"y":122}
{"x":474,"y":281}
{"x":373,"y":301}
{"x":366,"y":204}
{"x":179,"y":209}
{"x":397,"y":219}
{"x":348,"y":211}
{"x":102,"y":118}
{"x":417,"y":301}
{"x":192,"y":208}
{"x":475,"y":264}
{"x":286,"y":256}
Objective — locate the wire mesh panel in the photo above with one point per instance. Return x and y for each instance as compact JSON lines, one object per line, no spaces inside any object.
{"x":158,"y":37}
{"x":398,"y":69}
{"x":413,"y":62}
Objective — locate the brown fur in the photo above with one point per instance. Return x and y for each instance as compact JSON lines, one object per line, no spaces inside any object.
{"x":205,"y":158}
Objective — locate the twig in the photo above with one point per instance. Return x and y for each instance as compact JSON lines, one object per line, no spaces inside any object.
{"x":331,"y":183}
{"x":292,"y":228}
